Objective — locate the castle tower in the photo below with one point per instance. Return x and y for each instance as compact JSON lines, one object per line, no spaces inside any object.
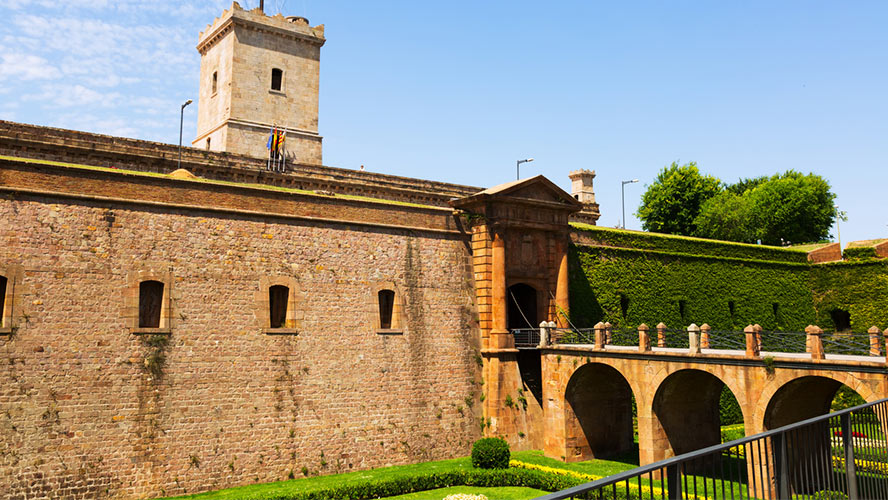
{"x":257,"y":72}
{"x":581,"y":190}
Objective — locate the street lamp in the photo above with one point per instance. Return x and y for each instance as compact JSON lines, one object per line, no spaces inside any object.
{"x":518,"y":167}
{"x":623,"y":196}
{"x":181,"y":120}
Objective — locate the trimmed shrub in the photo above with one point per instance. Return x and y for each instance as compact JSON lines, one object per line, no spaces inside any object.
{"x":491,"y":453}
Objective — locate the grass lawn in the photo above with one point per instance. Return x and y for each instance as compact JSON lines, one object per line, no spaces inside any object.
{"x":504,"y":493}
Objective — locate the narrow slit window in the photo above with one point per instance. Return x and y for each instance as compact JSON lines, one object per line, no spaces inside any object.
{"x":776,"y":308}
{"x":215,"y":79}
{"x":3,"y":284}
{"x":150,"y":304}
{"x":208,"y":143}
{"x":277,"y":305}
{"x":682,"y":310}
{"x":624,"y":305}
{"x":277,"y":79}
{"x":386,"y":307}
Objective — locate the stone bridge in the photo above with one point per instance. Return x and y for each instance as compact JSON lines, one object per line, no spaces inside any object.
{"x":588,"y":393}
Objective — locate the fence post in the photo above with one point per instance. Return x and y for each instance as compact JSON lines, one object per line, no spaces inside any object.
{"x":544,"y":334}
{"x":599,"y":335}
{"x":758,"y":336}
{"x":781,"y":465}
{"x":608,"y":331}
{"x":661,"y":335}
{"x":752,"y":350}
{"x":693,"y":339}
{"x":848,"y":442}
{"x":704,"y":336}
{"x":644,"y":338}
{"x":814,"y":341}
{"x":673,"y":482}
{"x":875,"y":341}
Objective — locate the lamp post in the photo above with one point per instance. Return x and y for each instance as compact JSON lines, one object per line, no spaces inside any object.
{"x":518,"y":167}
{"x":623,"y":196}
{"x":181,"y":121}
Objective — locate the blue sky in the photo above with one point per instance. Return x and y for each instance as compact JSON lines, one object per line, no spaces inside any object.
{"x":457,"y":91}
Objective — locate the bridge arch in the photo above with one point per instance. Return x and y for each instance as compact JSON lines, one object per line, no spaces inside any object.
{"x":791,"y":398}
{"x":597,"y":413}
{"x":684,"y":411}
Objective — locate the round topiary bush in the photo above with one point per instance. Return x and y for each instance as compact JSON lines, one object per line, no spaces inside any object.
{"x":491,"y":453}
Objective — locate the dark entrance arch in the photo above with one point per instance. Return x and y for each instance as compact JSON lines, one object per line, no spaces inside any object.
{"x":687,"y":407}
{"x":598,"y":413}
{"x":522,"y":298}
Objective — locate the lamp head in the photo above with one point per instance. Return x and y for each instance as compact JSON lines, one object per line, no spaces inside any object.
{"x":187,"y":103}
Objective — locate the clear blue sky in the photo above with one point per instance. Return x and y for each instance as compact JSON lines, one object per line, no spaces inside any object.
{"x":457,"y":91}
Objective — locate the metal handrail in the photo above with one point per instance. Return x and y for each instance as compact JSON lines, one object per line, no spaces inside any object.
{"x":672,"y":462}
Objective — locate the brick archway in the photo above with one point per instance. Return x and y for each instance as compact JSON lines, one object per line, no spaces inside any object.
{"x":597,"y":412}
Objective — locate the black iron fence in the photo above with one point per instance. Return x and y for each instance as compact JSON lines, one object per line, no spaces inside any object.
{"x":841,"y":455}
{"x":526,"y":337}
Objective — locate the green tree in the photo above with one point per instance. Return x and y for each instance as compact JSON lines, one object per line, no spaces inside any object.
{"x":792,"y":208}
{"x":671,"y":204}
{"x":727,"y":216}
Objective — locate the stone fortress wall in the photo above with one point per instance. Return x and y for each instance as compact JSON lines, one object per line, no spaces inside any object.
{"x":92,"y":406}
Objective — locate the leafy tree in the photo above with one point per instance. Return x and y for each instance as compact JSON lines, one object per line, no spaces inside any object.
{"x":671,"y":204}
{"x":727,"y":216}
{"x":792,"y":208}
{"x":744,"y":185}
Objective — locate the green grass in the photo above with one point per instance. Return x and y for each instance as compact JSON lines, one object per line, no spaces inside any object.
{"x":265,"y":187}
{"x":504,"y":493}
{"x":599,"y":467}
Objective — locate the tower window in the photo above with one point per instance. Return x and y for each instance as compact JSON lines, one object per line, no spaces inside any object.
{"x":150,"y":303}
{"x":3,"y":284}
{"x":215,"y":78}
{"x":277,"y":78}
{"x":208,"y":143}
{"x":278,"y":295}
{"x":682,"y":309}
{"x":386,"y":306}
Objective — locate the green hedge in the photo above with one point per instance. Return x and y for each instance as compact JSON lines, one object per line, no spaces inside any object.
{"x":657,"y":287}
{"x":859,"y":253}
{"x":861,"y":288}
{"x":686,"y":245}
{"x":491,"y":453}
{"x":403,"y":485}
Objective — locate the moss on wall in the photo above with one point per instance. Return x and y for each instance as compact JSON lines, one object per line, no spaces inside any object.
{"x":628,"y":278}
{"x":859,"y":287}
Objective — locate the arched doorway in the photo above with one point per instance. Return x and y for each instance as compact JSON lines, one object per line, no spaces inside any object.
{"x":598,"y":413}
{"x":522,"y":310}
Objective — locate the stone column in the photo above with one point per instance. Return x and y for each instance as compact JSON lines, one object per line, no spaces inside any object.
{"x":608,"y":332}
{"x":499,"y":333}
{"x":815,"y":342}
{"x":758,"y":335}
{"x":875,"y":341}
{"x":693,"y":339}
{"x":752,"y":346}
{"x":644,"y":338}
{"x":562,"y":296}
{"x":704,"y":336}
{"x":661,"y":335}
{"x":599,"y":335}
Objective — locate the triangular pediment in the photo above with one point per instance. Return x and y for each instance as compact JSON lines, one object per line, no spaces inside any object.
{"x":534,"y":189}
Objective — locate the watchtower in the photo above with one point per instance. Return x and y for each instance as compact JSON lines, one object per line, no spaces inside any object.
{"x":259,"y":72}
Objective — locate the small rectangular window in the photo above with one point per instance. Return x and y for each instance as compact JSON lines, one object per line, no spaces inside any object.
{"x":386,"y":306}
{"x":3,"y":284}
{"x":682,"y":310}
{"x":215,"y":77}
{"x":150,"y":304}
{"x":208,"y":143}
{"x":624,"y":305}
{"x":277,"y":305}
{"x":277,"y":77}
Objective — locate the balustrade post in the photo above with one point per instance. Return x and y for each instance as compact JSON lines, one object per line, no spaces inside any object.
{"x":644,"y":338}
{"x":885,"y":334}
{"x":599,"y":335}
{"x":704,"y":336}
{"x":544,"y":334}
{"x":693,"y":339}
{"x":752,"y":350}
{"x":875,"y":341}
{"x":815,"y":341}
{"x":758,"y":335}
{"x":661,"y":335}
{"x":608,"y":332}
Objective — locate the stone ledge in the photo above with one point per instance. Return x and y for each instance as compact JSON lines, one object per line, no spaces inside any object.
{"x":151,"y":331}
{"x":280,"y":331}
{"x":390,"y":331}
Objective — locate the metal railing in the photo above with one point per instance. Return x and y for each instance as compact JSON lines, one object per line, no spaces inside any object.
{"x":840,"y":455}
{"x":526,"y":337}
